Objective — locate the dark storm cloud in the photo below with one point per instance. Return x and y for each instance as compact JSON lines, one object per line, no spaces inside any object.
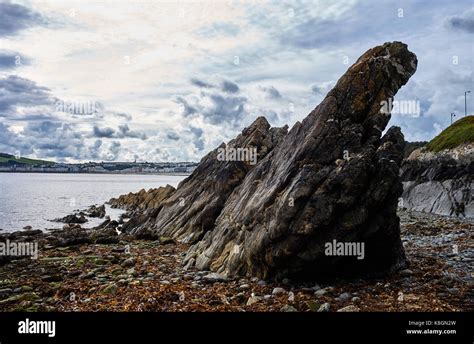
{"x":172,"y":136}
{"x":103,"y":132}
{"x":98,"y":151}
{"x":123,"y":131}
{"x":352,"y":27}
{"x":187,"y":108}
{"x":114,"y":151}
{"x":226,"y":85}
{"x":230,"y":87}
{"x":271,"y":115}
{"x":7,"y":138}
{"x":217,"y":106}
{"x":197,"y":131}
{"x":43,"y":128}
{"x":463,"y":22}
{"x":198,"y":139}
{"x":11,"y":60}
{"x":314,"y":33}
{"x":201,"y":84}
{"x":16,"y":91}
{"x":271,"y":92}
{"x":199,"y":144}
{"x":16,"y":17}
{"x":316,"y":89}
{"x":47,"y":139}
{"x":225,"y":108}
{"x":94,"y":150}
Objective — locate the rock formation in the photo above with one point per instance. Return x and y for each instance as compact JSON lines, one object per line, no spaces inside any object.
{"x":440,"y":183}
{"x":331,"y":177}
{"x":95,"y":211}
{"x":192,"y":209}
{"x":142,"y":200}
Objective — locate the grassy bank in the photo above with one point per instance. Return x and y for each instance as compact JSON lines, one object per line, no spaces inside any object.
{"x":461,"y":131}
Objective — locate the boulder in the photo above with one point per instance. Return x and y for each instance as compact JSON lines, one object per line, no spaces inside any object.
{"x":70,"y":219}
{"x":96,"y":211}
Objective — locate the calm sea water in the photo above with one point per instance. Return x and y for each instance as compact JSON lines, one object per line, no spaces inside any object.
{"x":34,"y":198}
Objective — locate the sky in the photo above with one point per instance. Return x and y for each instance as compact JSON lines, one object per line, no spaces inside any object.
{"x":128,"y":80}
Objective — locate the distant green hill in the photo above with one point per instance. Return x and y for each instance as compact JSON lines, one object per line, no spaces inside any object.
{"x":461,"y":131}
{"x":8,"y":159}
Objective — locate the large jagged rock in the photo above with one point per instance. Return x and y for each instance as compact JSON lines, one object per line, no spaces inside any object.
{"x":331,"y":177}
{"x":190,"y":211}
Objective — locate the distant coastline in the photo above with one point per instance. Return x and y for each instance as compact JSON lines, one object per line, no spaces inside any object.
{"x":178,"y":174}
{"x":17,"y":164}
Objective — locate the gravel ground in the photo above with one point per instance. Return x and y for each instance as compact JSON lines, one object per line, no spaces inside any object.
{"x":137,"y":275}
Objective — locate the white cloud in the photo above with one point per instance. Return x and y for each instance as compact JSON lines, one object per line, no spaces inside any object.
{"x":204,"y":70}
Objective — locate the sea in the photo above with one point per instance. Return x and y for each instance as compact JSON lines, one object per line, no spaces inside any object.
{"x":34,"y":199}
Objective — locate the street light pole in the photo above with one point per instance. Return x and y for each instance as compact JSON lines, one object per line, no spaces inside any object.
{"x":465,"y":102}
{"x":452,"y":115}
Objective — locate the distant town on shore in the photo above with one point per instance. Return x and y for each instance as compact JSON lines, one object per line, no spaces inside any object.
{"x":11,"y":163}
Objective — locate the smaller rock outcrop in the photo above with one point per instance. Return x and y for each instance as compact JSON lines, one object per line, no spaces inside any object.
{"x":142,"y":200}
{"x":96,"y":211}
{"x":73,"y":218}
{"x":439,"y":182}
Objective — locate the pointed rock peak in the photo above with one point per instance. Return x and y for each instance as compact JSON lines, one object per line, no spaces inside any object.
{"x":397,"y":54}
{"x":260,"y":123}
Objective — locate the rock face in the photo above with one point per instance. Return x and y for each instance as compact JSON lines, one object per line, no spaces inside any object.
{"x":191,"y":210}
{"x":331,"y":177}
{"x":142,"y":200}
{"x":440,"y":183}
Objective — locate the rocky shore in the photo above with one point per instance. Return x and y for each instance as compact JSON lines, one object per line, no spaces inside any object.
{"x":252,"y":235}
{"x":101,"y":270}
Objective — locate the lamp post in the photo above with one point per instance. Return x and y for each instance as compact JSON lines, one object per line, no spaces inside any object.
{"x":452,"y":115}
{"x":465,"y":102}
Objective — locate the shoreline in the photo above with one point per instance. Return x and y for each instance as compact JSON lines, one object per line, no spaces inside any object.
{"x":99,"y":270}
{"x":122,"y":210}
{"x":104,"y":173}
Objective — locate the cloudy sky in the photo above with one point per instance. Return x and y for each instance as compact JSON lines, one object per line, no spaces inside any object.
{"x":169,"y":81}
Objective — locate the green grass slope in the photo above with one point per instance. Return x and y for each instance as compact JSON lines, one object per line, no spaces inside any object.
{"x":461,"y":131}
{"x":8,"y":158}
